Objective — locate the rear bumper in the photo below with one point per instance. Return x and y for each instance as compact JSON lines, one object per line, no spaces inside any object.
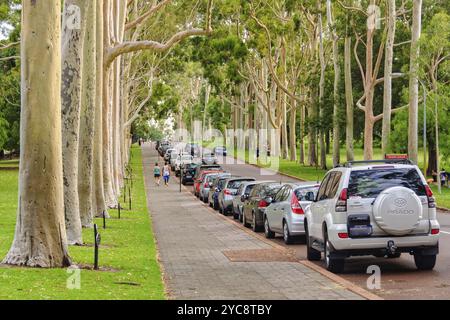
{"x":423,"y":250}
{"x":403,"y":243}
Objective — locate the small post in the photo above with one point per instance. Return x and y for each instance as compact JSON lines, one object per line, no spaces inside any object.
{"x":97,"y":240}
{"x":118,"y":210}
{"x":125,"y":194}
{"x":181,"y":176}
{"x":104,"y":219}
{"x":129,"y":196}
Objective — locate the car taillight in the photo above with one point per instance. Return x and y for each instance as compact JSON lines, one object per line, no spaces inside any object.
{"x":341,"y":204}
{"x":227,"y":192}
{"x":262,"y":204}
{"x":431,"y":200}
{"x":434,"y":231}
{"x":295,"y":205}
{"x":343,"y":235}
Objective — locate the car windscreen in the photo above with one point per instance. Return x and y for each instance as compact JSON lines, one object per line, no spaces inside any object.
{"x":370,"y":183}
{"x":302,"y":193}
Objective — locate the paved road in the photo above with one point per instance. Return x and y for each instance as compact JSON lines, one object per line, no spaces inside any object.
{"x":400,"y":278}
{"x":204,"y":256}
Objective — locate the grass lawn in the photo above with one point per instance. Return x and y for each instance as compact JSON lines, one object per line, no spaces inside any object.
{"x":128,"y":248}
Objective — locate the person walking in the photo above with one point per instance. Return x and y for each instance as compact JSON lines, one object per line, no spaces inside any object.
{"x":166,"y":174}
{"x":157,"y":174}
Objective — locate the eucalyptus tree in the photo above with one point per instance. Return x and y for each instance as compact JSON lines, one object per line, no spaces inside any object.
{"x":40,"y":236}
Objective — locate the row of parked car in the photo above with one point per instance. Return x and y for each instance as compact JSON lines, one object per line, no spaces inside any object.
{"x":261,"y":205}
{"x":381,"y":208}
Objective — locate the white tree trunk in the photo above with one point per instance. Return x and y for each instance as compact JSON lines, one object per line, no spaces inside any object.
{"x":336,"y":93}
{"x":73,"y":33}
{"x":349,"y":98}
{"x":388,"y":62}
{"x":87,"y":120}
{"x":40,"y":236}
{"x":99,"y":198}
{"x":413,"y":123}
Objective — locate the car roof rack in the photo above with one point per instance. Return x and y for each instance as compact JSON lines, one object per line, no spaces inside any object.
{"x":350,"y":164}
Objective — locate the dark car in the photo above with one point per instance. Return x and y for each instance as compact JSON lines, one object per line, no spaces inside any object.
{"x":188,"y":173}
{"x":220,"y":150}
{"x":256,"y":203}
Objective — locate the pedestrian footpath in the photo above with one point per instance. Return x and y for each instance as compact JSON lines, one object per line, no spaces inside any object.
{"x":204,"y":256}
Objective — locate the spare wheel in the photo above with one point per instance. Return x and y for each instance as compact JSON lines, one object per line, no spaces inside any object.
{"x":397,"y":211}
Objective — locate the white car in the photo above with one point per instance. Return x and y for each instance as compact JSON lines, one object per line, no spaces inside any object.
{"x":286,"y":212}
{"x":181,"y":160}
{"x":380,"y":208}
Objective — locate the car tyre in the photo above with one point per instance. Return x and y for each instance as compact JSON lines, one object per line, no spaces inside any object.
{"x":335,"y":265}
{"x":244,"y":221}
{"x":424,"y":262}
{"x":255,"y":226}
{"x":288,"y":239}
{"x":267,"y":232}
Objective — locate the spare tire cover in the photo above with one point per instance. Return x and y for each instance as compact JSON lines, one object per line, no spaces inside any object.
{"x":397,"y":210}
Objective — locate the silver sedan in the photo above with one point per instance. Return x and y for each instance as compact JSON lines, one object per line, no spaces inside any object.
{"x":286,"y":212}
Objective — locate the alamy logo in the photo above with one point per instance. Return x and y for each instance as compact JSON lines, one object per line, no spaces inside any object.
{"x":73,"y":17}
{"x":74,"y":279}
{"x":374,"y":17}
{"x":374,"y":281}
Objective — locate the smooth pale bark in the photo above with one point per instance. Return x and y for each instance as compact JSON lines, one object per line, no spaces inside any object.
{"x":336,"y":93}
{"x":302,"y":135}
{"x":110,"y":197}
{"x":72,"y":59}
{"x":388,"y":62}
{"x":40,"y":235}
{"x":99,"y":203}
{"x":349,"y":99}
{"x":87,"y":120}
{"x":323,"y":154}
{"x":292,"y":133}
{"x":369,"y":89}
{"x":413,"y":120}
{"x":282,"y":98}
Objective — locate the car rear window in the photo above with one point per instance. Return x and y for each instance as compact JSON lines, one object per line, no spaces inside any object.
{"x":270,"y":190}
{"x":370,"y":183}
{"x":301,"y":193}
{"x":235,"y":184}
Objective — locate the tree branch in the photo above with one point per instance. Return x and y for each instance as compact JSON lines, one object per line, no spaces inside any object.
{"x":146,"y":15}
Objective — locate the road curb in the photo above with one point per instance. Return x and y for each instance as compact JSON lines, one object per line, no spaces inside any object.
{"x":333,"y":277}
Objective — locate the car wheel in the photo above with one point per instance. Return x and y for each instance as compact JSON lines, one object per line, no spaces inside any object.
{"x":425,"y":262}
{"x":235,"y":214}
{"x":255,"y":226}
{"x":288,"y":239}
{"x":267,"y":232}
{"x":335,"y":265}
{"x":244,"y":221}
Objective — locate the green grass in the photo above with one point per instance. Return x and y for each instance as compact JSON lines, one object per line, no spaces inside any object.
{"x":128,"y":248}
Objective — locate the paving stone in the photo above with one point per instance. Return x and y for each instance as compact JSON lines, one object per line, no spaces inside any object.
{"x":192,"y":241}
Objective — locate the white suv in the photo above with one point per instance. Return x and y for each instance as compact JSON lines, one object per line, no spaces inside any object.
{"x":380,"y":208}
